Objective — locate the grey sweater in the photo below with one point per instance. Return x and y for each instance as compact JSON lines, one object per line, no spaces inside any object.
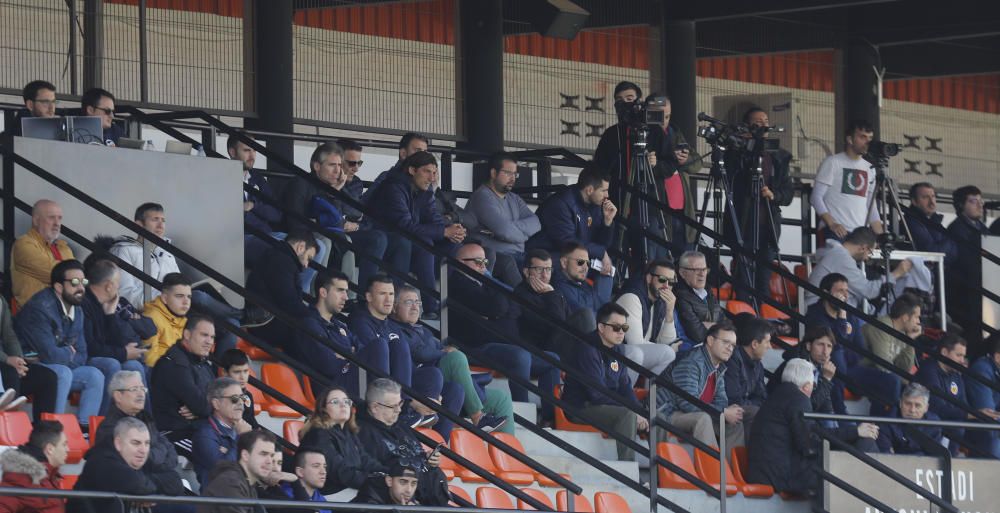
{"x":834,"y":258}
{"x":509,"y":218}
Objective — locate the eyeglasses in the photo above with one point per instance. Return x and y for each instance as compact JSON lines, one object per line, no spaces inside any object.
{"x":341,"y":402}
{"x":515,"y":174}
{"x":617,"y":328}
{"x":397,"y":407}
{"x":478,"y":261}
{"x":543,"y":270}
{"x":354,"y":163}
{"x":135,"y":389}
{"x":76,"y":282}
{"x":664,"y":279}
{"x":234,"y":399}
{"x":410,"y":303}
{"x":105,"y":110}
{"x":696,"y":270}
{"x":47,"y":102}
{"x":581,"y":262}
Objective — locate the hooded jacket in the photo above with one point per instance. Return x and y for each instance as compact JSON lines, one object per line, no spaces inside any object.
{"x":161,"y":263}
{"x":400,"y":204}
{"x":169,"y":329}
{"x":25,"y":467}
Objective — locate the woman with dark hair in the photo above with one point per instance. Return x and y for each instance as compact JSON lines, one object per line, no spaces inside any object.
{"x":332,"y":430}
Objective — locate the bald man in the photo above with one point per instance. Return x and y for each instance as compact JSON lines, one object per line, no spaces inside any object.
{"x":38,"y":251}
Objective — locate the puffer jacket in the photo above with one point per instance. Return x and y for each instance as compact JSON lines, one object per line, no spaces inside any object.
{"x":169,"y":329}
{"x":23,"y":468}
{"x":161,"y":263}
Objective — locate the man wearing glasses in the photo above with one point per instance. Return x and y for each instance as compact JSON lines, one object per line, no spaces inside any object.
{"x":101,"y":103}
{"x":607,"y":368}
{"x":39,"y":102}
{"x":654,"y":340}
{"x":214,"y":438}
{"x":505,"y":221}
{"x":697,"y":308}
{"x":128,"y":397}
{"x":547,"y":303}
{"x":51,"y":325}
{"x":571,"y":280}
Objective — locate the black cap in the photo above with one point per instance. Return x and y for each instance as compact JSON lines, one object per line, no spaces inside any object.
{"x":399,"y":467}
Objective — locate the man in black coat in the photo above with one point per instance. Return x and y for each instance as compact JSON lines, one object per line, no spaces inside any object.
{"x":696,"y":307}
{"x":744,"y":370}
{"x":963,"y":278}
{"x":180,"y":380}
{"x":781,"y":452}
{"x":546,"y":303}
{"x":276,"y":279}
{"x":121,"y":468}
{"x":386,"y":439}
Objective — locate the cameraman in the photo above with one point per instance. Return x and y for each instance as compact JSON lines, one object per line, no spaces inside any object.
{"x":671,"y":159}
{"x":775,"y":192}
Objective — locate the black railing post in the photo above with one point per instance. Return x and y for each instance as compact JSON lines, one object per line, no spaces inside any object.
{"x":8,"y":196}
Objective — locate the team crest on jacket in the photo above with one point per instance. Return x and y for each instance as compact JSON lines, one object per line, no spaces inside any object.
{"x":953,"y":388}
{"x":614,"y":365}
{"x":590,"y":221}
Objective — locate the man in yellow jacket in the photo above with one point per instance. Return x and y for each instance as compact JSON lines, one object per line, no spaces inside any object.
{"x":169,"y":312}
{"x":35,"y":253}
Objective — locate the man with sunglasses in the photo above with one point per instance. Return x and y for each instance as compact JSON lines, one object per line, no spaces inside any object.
{"x":609,"y":370}
{"x":101,"y":103}
{"x":571,"y":280}
{"x":697,"y":308}
{"x":214,"y":438}
{"x":650,"y":303}
{"x":51,"y":324}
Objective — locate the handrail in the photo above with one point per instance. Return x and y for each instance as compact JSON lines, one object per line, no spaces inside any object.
{"x":903,"y":421}
{"x":227,"y":501}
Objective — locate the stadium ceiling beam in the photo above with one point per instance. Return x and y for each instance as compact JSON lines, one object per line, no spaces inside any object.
{"x":734,"y":9}
{"x":935,"y":59}
{"x":761,"y":35}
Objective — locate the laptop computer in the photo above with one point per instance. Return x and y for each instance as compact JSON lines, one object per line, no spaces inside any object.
{"x":134,"y":144}
{"x":180,"y":148}
{"x":53,"y":129}
{"x":79,"y":129}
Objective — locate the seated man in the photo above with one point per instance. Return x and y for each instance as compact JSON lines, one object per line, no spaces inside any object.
{"x":490,"y":331}
{"x":310,"y":468}
{"x":24,"y":378}
{"x":101,"y":103}
{"x":489,"y":409}
{"x":571,"y":280}
{"x":650,"y":302}
{"x":401,"y":483}
{"x":120,"y":467}
{"x":276,"y":279}
{"x":235,"y":364}
{"x":128,"y":400}
{"x":744,"y":371}
{"x":113,"y":328}
{"x":322,"y":323}
{"x":608,"y":414}
{"x":844,"y":258}
{"x":386,"y":439}
{"x":259,"y":210}
{"x":702,"y":374}
{"x":904,"y":316}
{"x":816,"y":347}
{"x":38,"y":251}
{"x":782,"y":454}
{"x":505,"y":221}
{"x":945,"y":379}
{"x":239,"y":479}
{"x":387,"y":352}
{"x":405,"y":200}
{"x":51,"y":324}
{"x":696,"y":307}
{"x":214,"y":437}
{"x":844,"y":325}
{"x":925,"y":223}
{"x":169,"y":312}
{"x":986,"y":399}
{"x":547,"y":304}
{"x":899,"y":438}
{"x":35,"y":465}
{"x":180,"y":380}
{"x":40,"y":101}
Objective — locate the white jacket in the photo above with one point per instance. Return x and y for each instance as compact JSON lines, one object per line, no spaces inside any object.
{"x":161,"y":263}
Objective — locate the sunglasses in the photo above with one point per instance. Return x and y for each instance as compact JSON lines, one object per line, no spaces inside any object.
{"x":478,"y":261}
{"x":76,"y":282}
{"x":617,"y":328}
{"x":234,"y":399}
{"x":109,"y":112}
{"x":354,"y":163}
{"x":664,"y":279}
{"x":581,"y":262}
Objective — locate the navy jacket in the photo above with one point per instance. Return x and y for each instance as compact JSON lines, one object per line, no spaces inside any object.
{"x":264,"y":215}
{"x":979,"y":395}
{"x":276,"y":277}
{"x":816,"y":314}
{"x":297,"y":200}
{"x":355,"y":189}
{"x":565,"y":218}
{"x":607,"y":369}
{"x":745,"y":380}
{"x":425,"y":348}
{"x":107,"y":335}
{"x":400,"y":204}
{"x":781,"y":449}
{"x":367,"y":328}
{"x":492,"y":309}
{"x":318,"y":356}
{"x":41,"y":326}
{"x":179,"y":379}
{"x":552,"y":305}
{"x":578,"y":294}
{"x":929,"y":234}
{"x":211,"y":443}
{"x":931,"y":375}
{"x":896,"y":438}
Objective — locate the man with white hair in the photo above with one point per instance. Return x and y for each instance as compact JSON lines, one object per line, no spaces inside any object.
{"x":697,"y":308}
{"x":900,"y":438}
{"x":781,"y":452}
{"x":35,"y":253}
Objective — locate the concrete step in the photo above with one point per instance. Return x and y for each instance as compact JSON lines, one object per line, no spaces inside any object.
{"x":527,"y":410}
{"x":591,"y":443}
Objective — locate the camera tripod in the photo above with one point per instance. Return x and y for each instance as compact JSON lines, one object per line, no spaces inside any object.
{"x":886,"y":201}
{"x":757,"y":183}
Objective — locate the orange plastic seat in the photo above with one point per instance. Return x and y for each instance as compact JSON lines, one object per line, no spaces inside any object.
{"x":15,"y":428}
{"x":512,"y":470}
{"x":283,"y":379}
{"x":771,"y":313}
{"x":74,"y":437}
{"x":95,"y":422}
{"x":474,"y":449}
{"x":735,"y":306}
{"x":778,"y":290}
{"x":291,"y":429}
{"x":725,"y":292}
{"x":447,"y":465}
{"x":563,"y":423}
{"x":641,"y":394}
{"x":307,"y":389}
{"x":678,"y":456}
{"x":609,"y":502}
{"x":580,"y":503}
{"x":254,"y":352}
{"x":492,"y":498}
{"x":458,"y":491}
{"x":708,"y":471}
{"x":738,"y":463}
{"x":536,"y":494}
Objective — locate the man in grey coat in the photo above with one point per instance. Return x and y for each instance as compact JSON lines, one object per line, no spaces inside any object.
{"x":505,"y":221}
{"x":843,"y":258}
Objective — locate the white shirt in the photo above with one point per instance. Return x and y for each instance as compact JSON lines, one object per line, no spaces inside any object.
{"x":850,"y":187}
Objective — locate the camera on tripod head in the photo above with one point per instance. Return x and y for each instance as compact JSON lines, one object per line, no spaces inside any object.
{"x":718,"y":132}
{"x":882,"y":150}
{"x":637,"y":114}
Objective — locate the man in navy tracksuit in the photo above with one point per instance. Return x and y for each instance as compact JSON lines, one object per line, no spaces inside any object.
{"x":571,"y":280}
{"x":936,"y":375}
{"x":581,"y":214}
{"x":322,"y":322}
{"x":900,"y":438}
{"x":985,"y":398}
{"x":608,"y":369}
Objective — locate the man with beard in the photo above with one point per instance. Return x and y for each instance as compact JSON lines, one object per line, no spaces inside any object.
{"x":51,"y":324}
{"x":845,"y":186}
